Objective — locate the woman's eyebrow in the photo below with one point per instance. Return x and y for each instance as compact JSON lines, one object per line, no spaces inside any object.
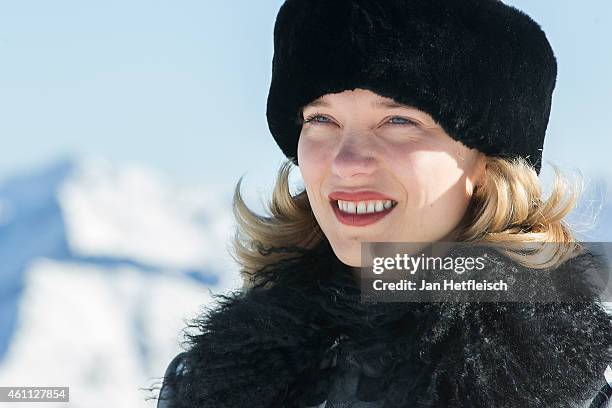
{"x":318,"y":102}
{"x":390,"y":104}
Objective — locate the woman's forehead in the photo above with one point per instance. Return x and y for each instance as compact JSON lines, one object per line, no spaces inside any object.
{"x":374,"y":100}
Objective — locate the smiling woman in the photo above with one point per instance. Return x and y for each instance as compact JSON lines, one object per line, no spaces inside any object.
{"x":429,"y":175}
{"x":402,"y":133}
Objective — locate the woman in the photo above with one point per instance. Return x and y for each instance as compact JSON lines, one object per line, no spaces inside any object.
{"x":413,"y":121}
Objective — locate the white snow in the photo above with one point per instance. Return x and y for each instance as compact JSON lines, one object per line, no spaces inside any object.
{"x":106,"y":318}
{"x":85,"y":327}
{"x":134,"y":212}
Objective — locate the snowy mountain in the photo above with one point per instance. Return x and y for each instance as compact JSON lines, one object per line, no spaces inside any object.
{"x":101,"y":267}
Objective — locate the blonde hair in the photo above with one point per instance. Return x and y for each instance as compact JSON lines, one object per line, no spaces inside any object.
{"x":506,"y":211}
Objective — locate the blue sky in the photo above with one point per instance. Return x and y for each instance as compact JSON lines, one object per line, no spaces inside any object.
{"x":181,"y":86}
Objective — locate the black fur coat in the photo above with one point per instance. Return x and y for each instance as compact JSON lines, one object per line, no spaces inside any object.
{"x":261,"y":348}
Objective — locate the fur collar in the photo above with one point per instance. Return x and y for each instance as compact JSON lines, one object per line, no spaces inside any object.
{"x":262,"y":348}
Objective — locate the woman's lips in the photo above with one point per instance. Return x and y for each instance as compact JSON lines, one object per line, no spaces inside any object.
{"x":364,"y":195}
{"x":359,"y":220}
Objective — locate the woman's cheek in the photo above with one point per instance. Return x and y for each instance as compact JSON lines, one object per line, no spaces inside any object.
{"x":402,"y":149}
{"x":314,"y":152}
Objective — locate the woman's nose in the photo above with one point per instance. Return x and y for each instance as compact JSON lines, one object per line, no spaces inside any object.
{"x":355,"y":156}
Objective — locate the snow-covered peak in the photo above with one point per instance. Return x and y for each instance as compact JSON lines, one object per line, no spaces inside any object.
{"x":135,"y":212}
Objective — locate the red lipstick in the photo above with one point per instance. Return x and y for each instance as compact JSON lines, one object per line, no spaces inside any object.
{"x":359,"y":220}
{"x":358,"y":196}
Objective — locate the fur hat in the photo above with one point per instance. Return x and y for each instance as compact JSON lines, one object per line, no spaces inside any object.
{"x":482,"y":69}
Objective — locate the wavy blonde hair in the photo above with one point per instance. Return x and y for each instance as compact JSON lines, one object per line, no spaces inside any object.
{"x":507,"y":211}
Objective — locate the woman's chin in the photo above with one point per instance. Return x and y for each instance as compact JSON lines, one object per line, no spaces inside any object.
{"x":350,"y":261}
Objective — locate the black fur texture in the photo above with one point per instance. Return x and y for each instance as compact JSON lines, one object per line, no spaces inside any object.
{"x":482,"y":69}
{"x":261,"y":348}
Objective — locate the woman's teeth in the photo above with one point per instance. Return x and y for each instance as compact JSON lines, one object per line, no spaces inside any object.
{"x":364,"y":207}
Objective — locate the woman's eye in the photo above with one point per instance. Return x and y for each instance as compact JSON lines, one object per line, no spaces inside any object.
{"x":396,"y":120}
{"x":316,"y":118}
{"x":401,"y":121}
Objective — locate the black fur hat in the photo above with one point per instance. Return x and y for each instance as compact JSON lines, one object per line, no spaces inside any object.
{"x":482,"y":69}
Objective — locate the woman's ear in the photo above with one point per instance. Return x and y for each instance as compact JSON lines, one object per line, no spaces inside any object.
{"x":481,"y":170}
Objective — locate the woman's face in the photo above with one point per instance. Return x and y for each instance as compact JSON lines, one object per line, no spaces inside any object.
{"x":358,"y":141}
